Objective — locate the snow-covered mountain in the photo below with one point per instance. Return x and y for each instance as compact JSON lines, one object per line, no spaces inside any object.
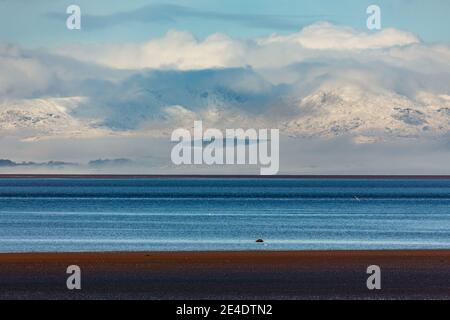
{"x":155,"y":104}
{"x":369,"y":116}
{"x":33,"y":119}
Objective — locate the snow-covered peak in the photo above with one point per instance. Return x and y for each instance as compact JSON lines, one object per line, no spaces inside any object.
{"x":33,"y":119}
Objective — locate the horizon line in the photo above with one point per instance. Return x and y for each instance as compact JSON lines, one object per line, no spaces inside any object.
{"x":219,"y":176}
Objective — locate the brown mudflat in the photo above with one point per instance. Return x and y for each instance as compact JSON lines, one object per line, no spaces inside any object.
{"x":227,"y":275}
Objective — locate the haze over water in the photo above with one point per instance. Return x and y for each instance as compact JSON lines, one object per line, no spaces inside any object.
{"x":222,"y":214}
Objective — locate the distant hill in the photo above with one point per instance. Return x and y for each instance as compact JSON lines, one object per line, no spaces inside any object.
{"x":109,"y":162}
{"x":10,"y":163}
{"x":7,"y":163}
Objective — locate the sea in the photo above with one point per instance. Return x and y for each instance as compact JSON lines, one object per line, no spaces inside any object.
{"x":209,"y":214}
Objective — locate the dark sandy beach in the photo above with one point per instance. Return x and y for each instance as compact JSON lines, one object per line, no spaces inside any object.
{"x":227,"y":275}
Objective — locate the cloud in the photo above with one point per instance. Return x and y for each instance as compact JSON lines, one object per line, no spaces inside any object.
{"x":177,"y":50}
{"x":326,"y":36}
{"x":20,"y":74}
{"x":161,"y":99}
{"x":170,"y":13}
{"x":26,"y":74}
{"x":182,"y":51}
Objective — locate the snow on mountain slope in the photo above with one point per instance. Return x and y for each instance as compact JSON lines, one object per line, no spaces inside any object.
{"x":369,"y":116}
{"x":33,"y":119}
{"x":325,"y":112}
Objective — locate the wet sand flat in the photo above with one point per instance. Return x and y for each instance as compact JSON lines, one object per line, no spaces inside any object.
{"x":227,"y":275}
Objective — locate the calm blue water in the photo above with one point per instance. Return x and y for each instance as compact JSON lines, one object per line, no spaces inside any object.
{"x":197,"y":214}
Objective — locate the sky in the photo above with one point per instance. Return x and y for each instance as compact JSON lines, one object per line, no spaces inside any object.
{"x":345,"y":99}
{"x":38,"y":23}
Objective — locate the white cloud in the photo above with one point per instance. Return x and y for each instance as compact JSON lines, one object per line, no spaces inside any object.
{"x":20,"y":74}
{"x":176,"y":50}
{"x":326,"y":36}
{"x":182,"y":51}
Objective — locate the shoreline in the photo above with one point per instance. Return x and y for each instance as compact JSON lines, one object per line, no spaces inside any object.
{"x":247,"y":275}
